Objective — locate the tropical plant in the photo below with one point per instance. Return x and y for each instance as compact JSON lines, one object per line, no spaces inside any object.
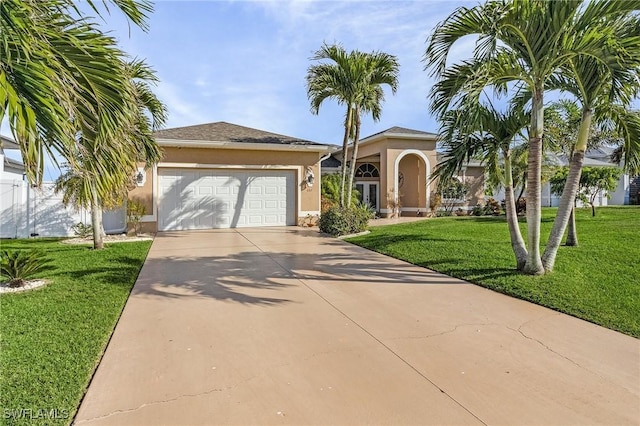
{"x":100,"y":169}
{"x":482,"y":132}
{"x":82,"y":230}
{"x":452,"y":192}
{"x":58,"y":74}
{"x":20,"y":265}
{"x":354,"y":80}
{"x":338,"y":220}
{"x":330,"y":191}
{"x":135,"y":211}
{"x":604,"y":86}
{"x":521,"y":44}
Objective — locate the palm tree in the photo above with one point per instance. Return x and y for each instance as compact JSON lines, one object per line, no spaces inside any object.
{"x":354,"y":79}
{"x":521,"y":43}
{"x":482,"y":132}
{"x":58,"y":72}
{"x":604,"y":87}
{"x":101,"y":170}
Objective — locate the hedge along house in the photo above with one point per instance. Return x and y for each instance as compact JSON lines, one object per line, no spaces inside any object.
{"x":222,"y":175}
{"x":394,"y":169}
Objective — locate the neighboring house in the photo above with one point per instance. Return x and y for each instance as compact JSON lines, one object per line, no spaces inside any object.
{"x":395,"y":166}
{"x":9,"y":168}
{"x":222,"y":175}
{"x":27,"y":211}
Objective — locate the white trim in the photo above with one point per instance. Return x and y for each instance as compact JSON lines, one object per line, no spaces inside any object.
{"x":227,"y":166}
{"x":369,"y":183}
{"x":245,"y":145}
{"x":386,"y":211}
{"x":396,"y":170}
{"x":405,"y":136}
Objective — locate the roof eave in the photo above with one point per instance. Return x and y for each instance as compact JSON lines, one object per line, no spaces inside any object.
{"x":406,"y":136}
{"x":244,"y":145}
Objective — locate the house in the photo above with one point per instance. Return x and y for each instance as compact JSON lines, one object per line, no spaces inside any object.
{"x":394,"y":167}
{"x":10,"y":169}
{"x":222,"y":175}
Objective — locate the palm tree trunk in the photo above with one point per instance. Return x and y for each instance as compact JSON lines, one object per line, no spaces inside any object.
{"x":345,"y":152}
{"x":567,"y":201}
{"x":96,"y":220}
{"x":533,"y":265}
{"x":572,"y":233}
{"x":517,"y":242}
{"x":354,"y":156}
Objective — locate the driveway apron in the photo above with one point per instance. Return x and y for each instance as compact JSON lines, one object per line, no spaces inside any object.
{"x":287,"y":326}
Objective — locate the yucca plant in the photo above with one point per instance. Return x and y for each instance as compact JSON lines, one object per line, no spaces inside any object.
{"x":20,"y":265}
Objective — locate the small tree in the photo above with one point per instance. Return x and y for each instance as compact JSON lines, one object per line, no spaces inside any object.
{"x":594,"y":182}
{"x":135,"y":211}
{"x":452,"y":191}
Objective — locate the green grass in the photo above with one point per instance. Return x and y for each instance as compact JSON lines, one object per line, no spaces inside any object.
{"x":598,"y":281}
{"x":53,"y":337}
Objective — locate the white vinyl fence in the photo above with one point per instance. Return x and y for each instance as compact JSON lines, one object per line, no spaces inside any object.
{"x":38,"y":212}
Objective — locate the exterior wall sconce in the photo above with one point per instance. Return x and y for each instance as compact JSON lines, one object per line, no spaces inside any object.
{"x":141,"y":177}
{"x":309,"y":177}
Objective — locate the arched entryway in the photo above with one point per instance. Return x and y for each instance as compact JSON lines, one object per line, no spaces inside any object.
{"x":411,"y":174}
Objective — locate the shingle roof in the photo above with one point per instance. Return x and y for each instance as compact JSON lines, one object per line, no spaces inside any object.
{"x":226,"y":132}
{"x":402,"y":130}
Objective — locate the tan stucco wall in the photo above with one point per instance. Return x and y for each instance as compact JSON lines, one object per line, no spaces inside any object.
{"x":474,"y":176}
{"x":144,"y":194}
{"x":309,"y":197}
{"x":389,"y":150}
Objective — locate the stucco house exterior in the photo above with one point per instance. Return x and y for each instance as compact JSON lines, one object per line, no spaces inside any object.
{"x":222,"y":175}
{"x":395,"y":166}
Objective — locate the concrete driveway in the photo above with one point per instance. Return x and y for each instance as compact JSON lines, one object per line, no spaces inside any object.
{"x":285,"y":326}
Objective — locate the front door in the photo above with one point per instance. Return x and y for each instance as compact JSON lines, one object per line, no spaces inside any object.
{"x":368,"y":194}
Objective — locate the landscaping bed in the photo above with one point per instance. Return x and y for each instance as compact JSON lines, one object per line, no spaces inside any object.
{"x":597,"y":281}
{"x":53,"y":337}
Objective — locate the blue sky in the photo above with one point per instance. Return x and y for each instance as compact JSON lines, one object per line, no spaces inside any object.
{"x":245,"y":62}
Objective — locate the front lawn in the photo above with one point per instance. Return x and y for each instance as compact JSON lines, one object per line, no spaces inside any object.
{"x":598,"y":281}
{"x":53,"y":337}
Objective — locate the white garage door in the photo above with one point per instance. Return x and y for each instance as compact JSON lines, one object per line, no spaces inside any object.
{"x":206,"y":199}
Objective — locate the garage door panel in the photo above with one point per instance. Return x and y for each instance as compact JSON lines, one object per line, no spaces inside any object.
{"x":205,"y":199}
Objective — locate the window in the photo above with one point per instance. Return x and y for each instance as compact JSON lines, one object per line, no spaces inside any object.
{"x":367,"y":170}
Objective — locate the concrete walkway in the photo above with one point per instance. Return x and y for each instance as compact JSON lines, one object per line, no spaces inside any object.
{"x":285,"y":326}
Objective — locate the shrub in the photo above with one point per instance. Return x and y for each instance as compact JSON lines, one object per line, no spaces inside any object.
{"x":330,"y":192}
{"x":20,"y":265}
{"x":82,"y":230}
{"x":492,"y":207}
{"x":521,"y":205}
{"x":343,"y":221}
{"x":135,"y":211}
{"x":478,"y":210}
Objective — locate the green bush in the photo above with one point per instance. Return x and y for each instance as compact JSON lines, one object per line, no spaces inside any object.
{"x":82,"y":230}
{"x":19,"y":265}
{"x":135,"y":211}
{"x":343,"y":221}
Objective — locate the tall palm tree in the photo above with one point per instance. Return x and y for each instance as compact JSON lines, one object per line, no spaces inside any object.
{"x":604,"y":87}
{"x":353,"y":79}
{"x":521,"y":43}
{"x":58,"y":71}
{"x":482,"y":132}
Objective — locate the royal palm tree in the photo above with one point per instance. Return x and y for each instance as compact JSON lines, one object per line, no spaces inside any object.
{"x":484,"y":133}
{"x":355,"y":80}
{"x":58,"y":73}
{"x":521,"y":43}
